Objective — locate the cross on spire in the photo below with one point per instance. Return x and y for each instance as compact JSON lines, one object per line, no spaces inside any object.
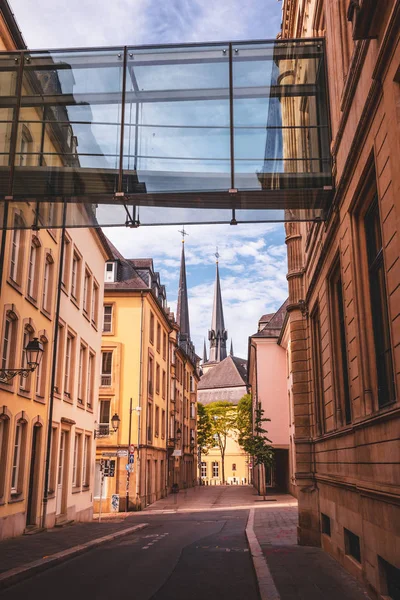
{"x":183,"y":232}
{"x":217,"y":254}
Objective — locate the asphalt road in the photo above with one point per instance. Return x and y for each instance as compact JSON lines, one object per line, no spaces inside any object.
{"x":179,"y":556}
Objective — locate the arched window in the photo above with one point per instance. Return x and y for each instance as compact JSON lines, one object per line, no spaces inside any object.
{"x":34,"y":268}
{"x":9,"y":338}
{"x":17,"y":249}
{"x":41,"y":370}
{"x":4,"y":437}
{"x":28,"y":335}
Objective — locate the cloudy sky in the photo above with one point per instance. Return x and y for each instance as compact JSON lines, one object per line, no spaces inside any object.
{"x":252,"y":257}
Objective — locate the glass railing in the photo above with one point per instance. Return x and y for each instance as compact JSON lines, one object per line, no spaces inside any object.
{"x":159,"y":134}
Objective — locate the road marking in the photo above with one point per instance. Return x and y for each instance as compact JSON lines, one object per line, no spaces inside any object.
{"x":266,"y":583}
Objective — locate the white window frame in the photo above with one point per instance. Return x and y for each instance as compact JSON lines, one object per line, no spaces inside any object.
{"x":110,"y":320}
{"x":16,"y":460}
{"x":203,"y":469}
{"x":215,"y":469}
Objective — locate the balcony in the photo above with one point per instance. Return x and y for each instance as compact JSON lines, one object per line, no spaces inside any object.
{"x":213,"y":133}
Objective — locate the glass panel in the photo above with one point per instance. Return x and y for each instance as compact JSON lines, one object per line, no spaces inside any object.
{"x":177,"y":133}
{"x":70,"y":123}
{"x":177,"y":119}
{"x":278,"y":129}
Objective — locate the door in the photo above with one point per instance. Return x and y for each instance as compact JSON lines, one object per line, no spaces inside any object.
{"x":60,"y":473}
{"x":33,"y":488}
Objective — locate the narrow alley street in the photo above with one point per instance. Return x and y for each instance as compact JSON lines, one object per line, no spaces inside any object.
{"x":194,"y":546}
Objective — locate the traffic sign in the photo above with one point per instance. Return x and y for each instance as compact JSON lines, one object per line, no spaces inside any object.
{"x":122,"y":452}
{"x":131,"y":449}
{"x":131,"y":459}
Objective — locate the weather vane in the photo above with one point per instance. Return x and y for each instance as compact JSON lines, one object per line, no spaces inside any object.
{"x":183,"y":232}
{"x":217,"y":255}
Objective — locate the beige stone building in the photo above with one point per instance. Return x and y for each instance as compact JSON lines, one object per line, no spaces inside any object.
{"x":344,"y":298}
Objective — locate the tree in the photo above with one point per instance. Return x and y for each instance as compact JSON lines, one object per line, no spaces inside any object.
{"x":223,"y":422}
{"x":204,"y":429}
{"x":252,"y":435}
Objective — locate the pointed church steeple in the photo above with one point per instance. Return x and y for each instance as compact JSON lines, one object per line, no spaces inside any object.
{"x":204,"y":352}
{"x":217,"y":334}
{"x":231,"y":350}
{"x":182,"y":311}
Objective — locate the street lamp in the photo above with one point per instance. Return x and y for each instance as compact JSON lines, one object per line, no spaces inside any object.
{"x":104,"y":430}
{"x":34,"y":352}
{"x":115,"y":422}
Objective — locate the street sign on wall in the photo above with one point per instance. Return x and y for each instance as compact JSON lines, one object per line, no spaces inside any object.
{"x":122,"y":453}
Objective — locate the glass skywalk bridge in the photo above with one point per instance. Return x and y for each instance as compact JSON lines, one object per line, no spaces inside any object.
{"x":215,"y":133}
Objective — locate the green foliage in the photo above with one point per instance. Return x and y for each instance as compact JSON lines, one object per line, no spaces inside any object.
{"x":204,"y":429}
{"x":252,"y":435}
{"x":223,"y":418}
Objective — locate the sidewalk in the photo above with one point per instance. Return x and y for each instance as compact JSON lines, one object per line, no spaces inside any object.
{"x":21,"y":553}
{"x":300,"y":572}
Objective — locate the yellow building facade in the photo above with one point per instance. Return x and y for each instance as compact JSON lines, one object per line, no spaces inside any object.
{"x":144,"y":381}
{"x":29,"y":280}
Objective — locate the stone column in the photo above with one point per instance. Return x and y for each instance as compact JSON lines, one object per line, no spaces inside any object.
{"x":308,"y":531}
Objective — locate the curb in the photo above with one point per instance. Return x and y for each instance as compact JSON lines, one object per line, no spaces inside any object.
{"x":18,"y":574}
{"x":265,"y":581}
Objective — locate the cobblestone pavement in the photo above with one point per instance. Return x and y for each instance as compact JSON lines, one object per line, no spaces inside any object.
{"x":299,"y":572}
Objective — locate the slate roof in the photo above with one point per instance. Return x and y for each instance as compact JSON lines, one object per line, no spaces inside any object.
{"x":230,"y":372}
{"x":273,"y":328}
{"x":127,"y":276}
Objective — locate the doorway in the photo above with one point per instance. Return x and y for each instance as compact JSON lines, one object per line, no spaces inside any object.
{"x":31,"y":510}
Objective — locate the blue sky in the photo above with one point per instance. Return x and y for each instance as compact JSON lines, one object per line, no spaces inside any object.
{"x":253,"y":257}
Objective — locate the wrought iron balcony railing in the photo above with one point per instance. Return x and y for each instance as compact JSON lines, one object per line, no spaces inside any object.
{"x":162,"y":133}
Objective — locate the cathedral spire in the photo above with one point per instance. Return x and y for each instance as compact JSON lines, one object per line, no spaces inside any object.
{"x":182,"y":311}
{"x":204,"y":352}
{"x":231,"y":350}
{"x":217,"y":335}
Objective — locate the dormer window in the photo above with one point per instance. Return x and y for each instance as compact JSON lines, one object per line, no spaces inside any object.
{"x":110,"y":272}
{"x":365,"y":21}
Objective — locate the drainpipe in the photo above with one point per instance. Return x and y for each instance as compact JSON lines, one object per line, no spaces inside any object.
{"x":166,"y":466}
{"x":139,"y":407}
{"x":53,"y":370}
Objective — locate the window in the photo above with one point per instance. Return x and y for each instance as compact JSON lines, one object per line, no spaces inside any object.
{"x":171,"y":427}
{"x":9,"y":340}
{"x":157,"y":422}
{"x":352,"y":544}
{"x":69,"y":365}
{"x":390,"y":577}
{"x":203,"y":469}
{"x":25,"y":147}
{"x":164,"y":352}
{"x":53,"y":461}
{"x":86,"y":462}
{"x":17,"y":250}
{"x":157,"y":378}
{"x":150,"y":377}
{"x":158,"y":346}
{"x":106,"y":366}
{"x":33,"y":269}
{"x":41,"y":371}
{"x":104,"y":416}
{"x":66,"y":263}
{"x":25,"y":382}
{"x":325,"y":524}
{"x":379,"y":310}
{"x":107,"y":318}
{"x":81,"y":373}
{"x":164,"y":384}
{"x":87,"y":291}
{"x":95,"y":303}
{"x":48,"y":276}
{"x":90,"y":376}
{"x":60,"y":360}
{"x":317,"y":371}
{"x":215,"y":469}
{"x":163,"y":424}
{"x":17,"y":467}
{"x":339,"y":344}
{"x":4,"y":432}
{"x":76,"y":460}
{"x":192,"y":388}
{"x":109,"y":272}
{"x":149,"y":421}
{"x":76,"y":275}
{"x":151,"y":332}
